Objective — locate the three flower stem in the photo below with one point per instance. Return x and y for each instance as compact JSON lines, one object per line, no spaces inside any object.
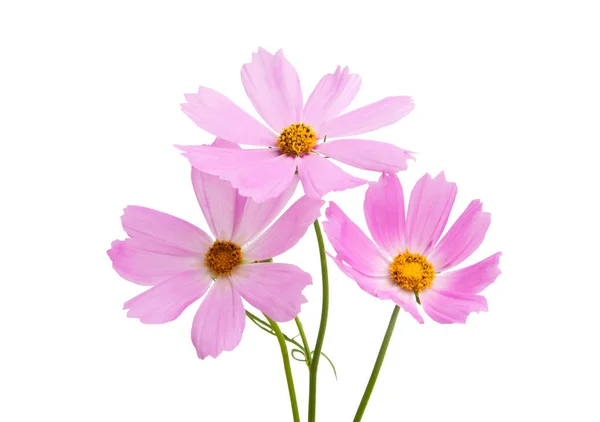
{"x":377,"y":367}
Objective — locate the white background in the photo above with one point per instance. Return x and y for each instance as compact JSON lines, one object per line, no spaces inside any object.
{"x":507,"y":104}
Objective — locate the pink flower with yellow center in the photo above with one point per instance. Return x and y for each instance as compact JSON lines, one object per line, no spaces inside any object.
{"x":295,"y":139}
{"x":406,"y":263}
{"x":182,"y":263}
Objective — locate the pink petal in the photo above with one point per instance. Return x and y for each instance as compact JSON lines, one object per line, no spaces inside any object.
{"x":260,"y":173}
{"x":331,"y":96}
{"x":430,"y":204}
{"x":253,"y":217}
{"x":367,"y":155}
{"x":382,"y":287}
{"x":447,"y":307}
{"x":217,"y":199}
{"x":272,"y":288}
{"x":320,"y":176}
{"x":155,"y":228}
{"x":368,"y":118}
{"x":146,"y":267}
{"x":463,"y":238}
{"x":273,"y":86}
{"x":384,"y":212}
{"x":264,"y":180}
{"x":351,"y":244}
{"x":168,"y":299}
{"x":286,"y":231}
{"x":220,"y":320}
{"x":217,"y":114}
{"x":472,"y":279}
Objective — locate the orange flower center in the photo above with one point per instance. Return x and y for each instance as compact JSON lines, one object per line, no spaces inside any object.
{"x":412,"y":271}
{"x":297,"y":139}
{"x":222,"y":257}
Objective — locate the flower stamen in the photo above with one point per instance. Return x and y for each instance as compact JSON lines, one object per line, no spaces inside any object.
{"x":412,"y":271}
{"x":222,"y":257}
{"x":297,"y":139}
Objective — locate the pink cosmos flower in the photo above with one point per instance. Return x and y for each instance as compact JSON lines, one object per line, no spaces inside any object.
{"x":407,"y":264}
{"x":291,"y":144}
{"x":182,"y":263}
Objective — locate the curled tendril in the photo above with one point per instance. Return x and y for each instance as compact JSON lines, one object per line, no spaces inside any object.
{"x":265,"y":326}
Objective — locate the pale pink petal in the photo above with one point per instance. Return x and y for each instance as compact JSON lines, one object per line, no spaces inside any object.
{"x":264,"y":180}
{"x":368,"y":118}
{"x":320,"y":176}
{"x":472,"y":279}
{"x":331,"y":96}
{"x":157,"y":228}
{"x":272,"y":288}
{"x":286,"y":231}
{"x":352,"y":246}
{"x":447,"y":307}
{"x":220,"y":320}
{"x":253,"y":217}
{"x":261,"y":173}
{"x":382,"y":287}
{"x":218,"y":115}
{"x":273,"y":86}
{"x":430,"y":204}
{"x":146,"y":267}
{"x":217,"y":199}
{"x":384,"y":213}
{"x":463,"y":238}
{"x":168,"y":299}
{"x":367,"y":155}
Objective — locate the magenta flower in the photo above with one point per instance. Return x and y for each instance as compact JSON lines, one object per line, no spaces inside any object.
{"x":409,"y":264}
{"x":292,"y":142}
{"x":181,"y":262}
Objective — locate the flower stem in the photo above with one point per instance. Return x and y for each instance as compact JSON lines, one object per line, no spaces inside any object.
{"x":304,"y":341}
{"x":378,"y":362}
{"x":312,"y":390}
{"x":288,"y":370}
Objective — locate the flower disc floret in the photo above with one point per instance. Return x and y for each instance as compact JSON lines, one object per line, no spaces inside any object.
{"x":222,"y":257}
{"x":297,"y":139}
{"x":412,"y":271}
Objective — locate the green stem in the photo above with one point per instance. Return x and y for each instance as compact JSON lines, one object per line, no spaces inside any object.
{"x":312,"y":390}
{"x":304,"y":341}
{"x":288,"y":370}
{"x":377,"y":367}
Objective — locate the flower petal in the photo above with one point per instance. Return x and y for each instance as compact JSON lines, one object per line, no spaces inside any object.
{"x":272,"y":288}
{"x":273,"y":86}
{"x":252,"y":217}
{"x":286,"y":231}
{"x":217,"y":114}
{"x":472,"y":279}
{"x":384,"y":212}
{"x":168,"y":299}
{"x":382,"y":287}
{"x":351,"y":244}
{"x":447,"y":307}
{"x":320,"y":176}
{"x":430,"y":204}
{"x":220,"y":320}
{"x":367,"y":155}
{"x":259,"y":173}
{"x":331,"y":96}
{"x":368,"y":118}
{"x":463,"y":238}
{"x":157,"y":228}
{"x":146,"y":267}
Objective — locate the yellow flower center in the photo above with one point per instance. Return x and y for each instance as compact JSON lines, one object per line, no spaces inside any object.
{"x":412,"y":271}
{"x":297,"y":139}
{"x":222,"y":257}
